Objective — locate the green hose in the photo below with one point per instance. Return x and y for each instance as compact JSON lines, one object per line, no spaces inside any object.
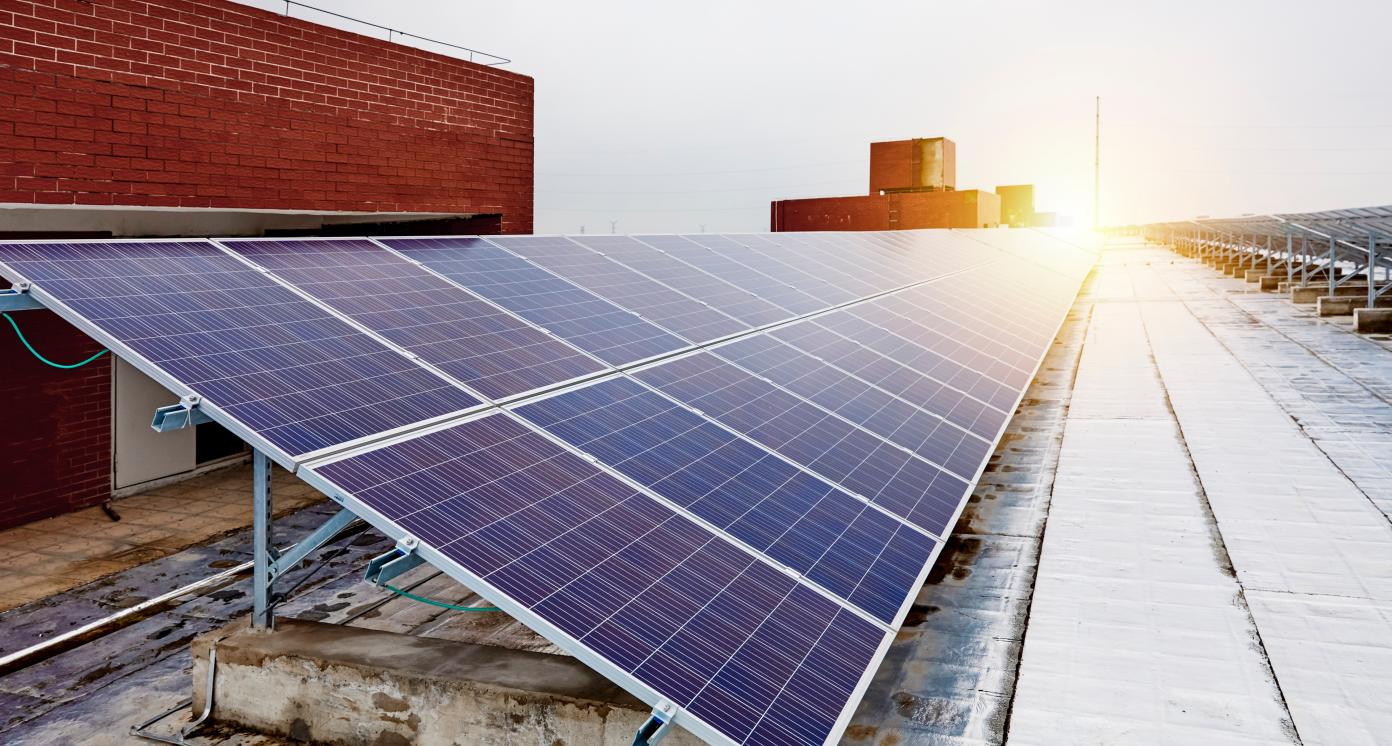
{"x":440,"y":604}
{"x":41,"y":358}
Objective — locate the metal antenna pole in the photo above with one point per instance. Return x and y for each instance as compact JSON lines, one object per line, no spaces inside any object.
{"x":1097,"y":164}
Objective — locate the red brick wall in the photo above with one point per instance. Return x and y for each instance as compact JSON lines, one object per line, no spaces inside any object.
{"x":55,"y":454}
{"x":205,"y":103}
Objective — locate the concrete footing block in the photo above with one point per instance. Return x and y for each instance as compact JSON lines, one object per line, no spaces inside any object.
{"x":326,"y":683}
{"x":1270,"y":283}
{"x":1313,"y":292}
{"x":1344,"y":305}
{"x":1372,"y":320}
{"x":1254,"y":275}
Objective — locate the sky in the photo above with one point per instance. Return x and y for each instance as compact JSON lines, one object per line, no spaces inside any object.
{"x":667,"y":117}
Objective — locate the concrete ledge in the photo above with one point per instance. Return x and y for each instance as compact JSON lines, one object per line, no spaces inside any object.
{"x":1372,"y":320}
{"x":1311,"y":293}
{"x":1344,"y":305}
{"x":331,"y":684}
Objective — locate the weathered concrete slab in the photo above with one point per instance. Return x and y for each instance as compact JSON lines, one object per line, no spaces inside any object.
{"x":362,"y":687}
{"x":1137,"y":631}
{"x":1333,"y":657}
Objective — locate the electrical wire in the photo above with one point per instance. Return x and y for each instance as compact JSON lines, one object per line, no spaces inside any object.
{"x":433,"y":602}
{"x":40,"y":357}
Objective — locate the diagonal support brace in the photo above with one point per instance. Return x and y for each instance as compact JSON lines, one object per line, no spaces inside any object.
{"x":309,"y":544}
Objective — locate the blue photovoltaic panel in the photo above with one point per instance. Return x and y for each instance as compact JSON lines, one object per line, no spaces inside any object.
{"x":907,"y":423}
{"x":669,"y":309}
{"x":699,"y":284}
{"x":773,"y":290}
{"x":833,"y":539}
{"x":859,"y":278}
{"x":618,"y":576}
{"x":576,"y":315}
{"x":880,"y":330}
{"x":467,"y":337}
{"x":739,"y":248}
{"x":935,"y":398}
{"x":886,"y":474}
{"x":989,"y":351}
{"x":288,"y":369}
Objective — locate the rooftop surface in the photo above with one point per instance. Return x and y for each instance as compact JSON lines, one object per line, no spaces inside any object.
{"x":1183,"y":537}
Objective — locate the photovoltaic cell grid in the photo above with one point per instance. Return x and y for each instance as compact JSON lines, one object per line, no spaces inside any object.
{"x":694,"y":251}
{"x":465,"y":336}
{"x":277,"y":363}
{"x":591,"y":323}
{"x":682,"y":315}
{"x":802,"y":522}
{"x":885,"y":473}
{"x":742,"y":304}
{"x":717,"y":631}
{"x":880,"y":413}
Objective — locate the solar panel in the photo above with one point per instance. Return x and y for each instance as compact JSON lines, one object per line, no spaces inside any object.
{"x":746,"y":251}
{"x":789,"y":250}
{"x":285,"y":368}
{"x":734,"y":522}
{"x":886,"y":474}
{"x":572,"y":313}
{"x":817,"y":530}
{"x":878,"y":329}
{"x":699,"y":284}
{"x":639,"y":592}
{"x":463,"y":335}
{"x":742,"y":276}
{"x":908,"y":423}
{"x":684,"y":316}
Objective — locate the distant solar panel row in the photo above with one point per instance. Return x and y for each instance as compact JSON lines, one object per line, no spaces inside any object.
{"x":734,"y":521}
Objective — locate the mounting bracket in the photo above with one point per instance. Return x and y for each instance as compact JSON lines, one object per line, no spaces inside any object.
{"x":178,"y":416}
{"x":657,"y":725}
{"x":384,"y":568}
{"x":17,"y":298}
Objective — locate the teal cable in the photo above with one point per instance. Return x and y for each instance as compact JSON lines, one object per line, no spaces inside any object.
{"x":440,"y":604}
{"x":41,"y":358}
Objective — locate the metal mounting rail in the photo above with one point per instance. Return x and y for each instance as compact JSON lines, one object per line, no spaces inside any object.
{"x":1335,"y":247}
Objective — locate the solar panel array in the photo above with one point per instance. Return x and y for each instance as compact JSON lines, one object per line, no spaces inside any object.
{"x":716,"y":468}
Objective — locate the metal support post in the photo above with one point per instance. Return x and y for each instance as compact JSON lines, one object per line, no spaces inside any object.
{"x":1372,"y":270}
{"x":262,"y":609}
{"x":1332,"y":281}
{"x":1304,"y":261}
{"x":1268,"y":254}
{"x":1290,"y":260}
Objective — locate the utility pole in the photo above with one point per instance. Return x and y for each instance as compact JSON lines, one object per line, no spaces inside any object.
{"x":1097,"y":164}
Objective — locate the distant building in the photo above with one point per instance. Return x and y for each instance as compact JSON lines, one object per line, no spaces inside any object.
{"x":913,"y":184}
{"x":1017,"y":205}
{"x":918,"y":165}
{"x":880,"y":212}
